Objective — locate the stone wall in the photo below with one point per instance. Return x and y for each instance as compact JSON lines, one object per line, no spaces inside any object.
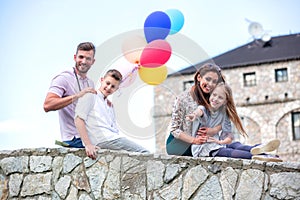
{"x":44,"y":174}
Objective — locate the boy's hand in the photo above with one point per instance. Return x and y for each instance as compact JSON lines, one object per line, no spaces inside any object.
{"x":91,"y":151}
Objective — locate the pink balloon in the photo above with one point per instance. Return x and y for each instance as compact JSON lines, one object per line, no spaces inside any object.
{"x":156,"y":54}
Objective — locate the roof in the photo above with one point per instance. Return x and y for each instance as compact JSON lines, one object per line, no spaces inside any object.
{"x":280,"y":48}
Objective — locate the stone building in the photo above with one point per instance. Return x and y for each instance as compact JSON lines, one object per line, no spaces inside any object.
{"x":265,"y":79}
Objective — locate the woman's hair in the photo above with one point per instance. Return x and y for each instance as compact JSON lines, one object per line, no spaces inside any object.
{"x":115,"y":74}
{"x":231,"y":109}
{"x":198,"y":95}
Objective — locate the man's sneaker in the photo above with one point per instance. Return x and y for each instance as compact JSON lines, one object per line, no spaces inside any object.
{"x":267,"y":158}
{"x":263,"y":148}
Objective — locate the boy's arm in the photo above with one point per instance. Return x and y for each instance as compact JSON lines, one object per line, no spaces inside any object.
{"x":90,"y":149}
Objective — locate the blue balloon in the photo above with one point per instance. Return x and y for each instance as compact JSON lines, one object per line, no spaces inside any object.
{"x":177,"y":20}
{"x":157,"y":26}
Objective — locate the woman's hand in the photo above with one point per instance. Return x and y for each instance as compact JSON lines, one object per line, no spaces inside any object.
{"x":202,"y":131}
{"x":200,"y":139}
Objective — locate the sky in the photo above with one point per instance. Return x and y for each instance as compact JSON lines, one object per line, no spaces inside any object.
{"x":39,"y":38}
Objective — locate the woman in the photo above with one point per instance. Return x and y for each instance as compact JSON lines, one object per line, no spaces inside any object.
{"x":180,"y":139}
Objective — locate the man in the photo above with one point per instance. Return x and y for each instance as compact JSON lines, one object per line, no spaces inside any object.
{"x":66,"y":88}
{"x":95,"y":119}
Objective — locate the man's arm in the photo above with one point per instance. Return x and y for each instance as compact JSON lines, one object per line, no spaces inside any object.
{"x":55,"y":102}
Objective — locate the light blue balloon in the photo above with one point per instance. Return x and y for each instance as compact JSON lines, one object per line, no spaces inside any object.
{"x":177,"y":20}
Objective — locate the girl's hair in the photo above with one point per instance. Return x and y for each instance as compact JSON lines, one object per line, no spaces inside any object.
{"x":115,"y":74}
{"x":198,"y":95}
{"x":231,"y":109}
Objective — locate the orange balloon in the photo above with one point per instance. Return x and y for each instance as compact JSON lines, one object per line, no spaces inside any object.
{"x":132,"y":48}
{"x":153,"y":76}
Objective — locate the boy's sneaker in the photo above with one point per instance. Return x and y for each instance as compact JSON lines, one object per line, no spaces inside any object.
{"x":263,"y":148}
{"x":267,"y":158}
{"x":63,"y":144}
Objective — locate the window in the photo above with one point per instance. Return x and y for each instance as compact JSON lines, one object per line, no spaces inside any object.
{"x":281,"y":75}
{"x":187,"y":84}
{"x":296,"y":125}
{"x":249,"y":79}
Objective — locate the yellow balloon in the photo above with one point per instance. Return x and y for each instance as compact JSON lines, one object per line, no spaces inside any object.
{"x":153,"y":76}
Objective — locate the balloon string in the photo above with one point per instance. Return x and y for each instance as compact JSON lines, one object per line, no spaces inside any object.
{"x":130,"y":73}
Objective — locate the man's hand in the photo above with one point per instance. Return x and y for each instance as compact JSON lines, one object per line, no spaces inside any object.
{"x":83,"y":92}
{"x":91,"y":151}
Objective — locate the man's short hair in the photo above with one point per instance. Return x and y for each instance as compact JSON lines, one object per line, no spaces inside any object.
{"x":86,"y":46}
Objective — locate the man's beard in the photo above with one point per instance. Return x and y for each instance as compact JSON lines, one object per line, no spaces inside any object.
{"x":82,"y":68}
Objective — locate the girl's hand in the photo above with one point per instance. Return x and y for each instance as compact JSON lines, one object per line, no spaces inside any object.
{"x":191,"y":117}
{"x":212,"y":139}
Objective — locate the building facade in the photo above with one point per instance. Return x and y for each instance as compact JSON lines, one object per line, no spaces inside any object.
{"x":265,"y":80}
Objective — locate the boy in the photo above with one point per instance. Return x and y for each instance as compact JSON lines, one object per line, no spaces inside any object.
{"x":95,"y":119}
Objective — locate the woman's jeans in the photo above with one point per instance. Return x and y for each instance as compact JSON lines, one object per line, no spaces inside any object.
{"x":178,"y":147}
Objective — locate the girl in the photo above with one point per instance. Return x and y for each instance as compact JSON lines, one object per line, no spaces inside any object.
{"x":221,"y":108}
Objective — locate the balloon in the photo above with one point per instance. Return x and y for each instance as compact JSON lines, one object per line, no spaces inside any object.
{"x":177,"y":20}
{"x":156,"y":53}
{"x":153,"y":76}
{"x":128,"y":71}
{"x":157,"y":26}
{"x":132,"y":48}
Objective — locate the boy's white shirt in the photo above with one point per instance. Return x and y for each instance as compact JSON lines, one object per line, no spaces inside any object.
{"x":99,"y":118}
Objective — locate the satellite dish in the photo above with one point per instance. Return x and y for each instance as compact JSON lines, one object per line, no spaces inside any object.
{"x":266,"y":37}
{"x":255,"y":29}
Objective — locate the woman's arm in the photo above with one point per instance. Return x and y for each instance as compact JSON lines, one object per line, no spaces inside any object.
{"x":179,"y":120}
{"x":209,"y":131}
{"x":192,"y":140}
